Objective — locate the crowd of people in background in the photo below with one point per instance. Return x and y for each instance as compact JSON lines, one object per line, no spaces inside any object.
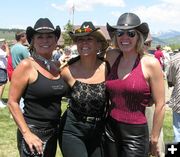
{"x":98,"y":88}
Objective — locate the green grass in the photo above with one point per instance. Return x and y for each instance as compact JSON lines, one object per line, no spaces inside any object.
{"x":8,"y":128}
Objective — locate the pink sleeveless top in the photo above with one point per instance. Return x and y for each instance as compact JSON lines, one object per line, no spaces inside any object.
{"x":129,"y":96}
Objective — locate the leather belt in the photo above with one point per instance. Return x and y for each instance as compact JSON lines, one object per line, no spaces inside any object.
{"x":84,"y":118}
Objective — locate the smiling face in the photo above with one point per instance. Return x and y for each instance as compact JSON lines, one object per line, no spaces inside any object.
{"x":87,"y":45}
{"x":126,"y":40}
{"x":44,"y":43}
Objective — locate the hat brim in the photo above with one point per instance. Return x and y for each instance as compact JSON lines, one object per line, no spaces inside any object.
{"x":30,"y":32}
{"x":96,"y":33}
{"x":143,"y":28}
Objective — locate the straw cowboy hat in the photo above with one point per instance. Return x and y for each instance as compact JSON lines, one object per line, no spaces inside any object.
{"x":129,"y":21}
{"x":87,"y":28}
{"x":43,"y":25}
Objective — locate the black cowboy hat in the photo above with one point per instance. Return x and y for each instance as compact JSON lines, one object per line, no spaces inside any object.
{"x":87,"y":28}
{"x":43,"y":25}
{"x":129,"y":21}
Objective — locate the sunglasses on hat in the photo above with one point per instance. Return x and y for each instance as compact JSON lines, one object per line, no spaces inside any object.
{"x":130,"y":33}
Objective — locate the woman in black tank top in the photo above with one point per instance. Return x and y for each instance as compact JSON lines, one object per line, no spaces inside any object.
{"x":86,"y":74}
{"x":37,"y":79}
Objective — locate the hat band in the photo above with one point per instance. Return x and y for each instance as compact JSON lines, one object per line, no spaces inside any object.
{"x":41,"y":28}
{"x":83,"y":30}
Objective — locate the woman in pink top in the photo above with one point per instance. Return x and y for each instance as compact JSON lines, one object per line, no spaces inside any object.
{"x":135,"y":79}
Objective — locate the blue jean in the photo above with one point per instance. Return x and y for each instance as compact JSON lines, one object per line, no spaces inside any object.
{"x":176,"y":126}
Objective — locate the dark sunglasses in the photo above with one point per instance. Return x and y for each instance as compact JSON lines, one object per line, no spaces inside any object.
{"x":130,"y":33}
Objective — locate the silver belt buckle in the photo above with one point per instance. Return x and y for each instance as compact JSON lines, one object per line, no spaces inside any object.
{"x":90,"y":119}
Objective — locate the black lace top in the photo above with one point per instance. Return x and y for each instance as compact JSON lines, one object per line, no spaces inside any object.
{"x":88,"y":99}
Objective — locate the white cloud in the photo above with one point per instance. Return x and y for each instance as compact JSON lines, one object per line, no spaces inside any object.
{"x":161,"y":16}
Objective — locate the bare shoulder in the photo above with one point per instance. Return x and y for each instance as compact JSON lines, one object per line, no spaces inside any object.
{"x":150,"y":66}
{"x":149,"y":60}
{"x":25,"y":64}
{"x":23,"y":72}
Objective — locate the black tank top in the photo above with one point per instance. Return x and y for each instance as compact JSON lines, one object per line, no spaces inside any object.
{"x":42,"y":99}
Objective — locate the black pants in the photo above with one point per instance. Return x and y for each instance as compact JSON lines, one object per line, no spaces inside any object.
{"x":127,"y":140}
{"x":81,"y":139}
{"x":48,"y":135}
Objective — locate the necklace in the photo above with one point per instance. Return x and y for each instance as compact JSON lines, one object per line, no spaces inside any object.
{"x":47,"y":63}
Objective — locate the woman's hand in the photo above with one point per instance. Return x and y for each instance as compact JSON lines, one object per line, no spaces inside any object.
{"x":154,"y":149}
{"x":34,"y":142}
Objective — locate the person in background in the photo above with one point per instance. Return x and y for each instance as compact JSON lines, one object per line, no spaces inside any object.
{"x":167,"y":57}
{"x":159,"y":55}
{"x":173,"y":79}
{"x":150,"y":110}
{"x":131,"y":84}
{"x":57,"y":53}
{"x":4,"y":52}
{"x":84,"y":118}
{"x":19,"y":51}
{"x":66,"y":55}
{"x":38,"y":81}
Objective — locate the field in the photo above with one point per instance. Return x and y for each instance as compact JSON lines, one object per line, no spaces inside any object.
{"x":8,"y":35}
{"x":8,"y":131}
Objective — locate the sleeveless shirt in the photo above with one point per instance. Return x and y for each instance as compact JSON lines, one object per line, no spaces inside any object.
{"x":128,"y":96}
{"x":88,"y":99}
{"x":42,"y":99}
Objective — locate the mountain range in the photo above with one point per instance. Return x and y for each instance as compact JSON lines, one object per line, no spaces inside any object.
{"x":170,"y":37}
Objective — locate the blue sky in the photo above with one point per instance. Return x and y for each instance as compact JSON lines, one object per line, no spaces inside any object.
{"x":161,"y":15}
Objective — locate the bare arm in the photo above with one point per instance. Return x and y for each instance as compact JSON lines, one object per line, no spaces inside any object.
{"x":18,"y":83}
{"x":156,"y":82}
{"x":20,"y":79}
{"x":66,"y":74}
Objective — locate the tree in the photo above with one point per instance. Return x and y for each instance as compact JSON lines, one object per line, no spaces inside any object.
{"x":67,"y":39}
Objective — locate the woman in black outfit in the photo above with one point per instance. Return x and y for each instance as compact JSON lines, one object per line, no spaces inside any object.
{"x":84,"y":119}
{"x":38,"y":80}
